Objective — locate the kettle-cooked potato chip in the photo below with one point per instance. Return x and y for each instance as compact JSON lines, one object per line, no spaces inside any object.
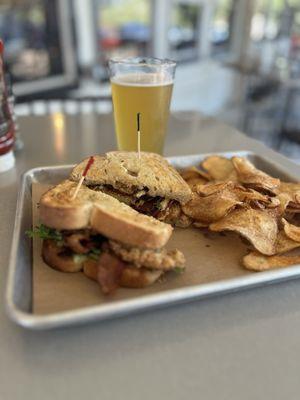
{"x":255,"y":199}
{"x":284,"y":199}
{"x":247,"y":194}
{"x":253,"y":177}
{"x":234,"y":195}
{"x":212,"y":188}
{"x":194,"y":177}
{"x":284,"y":243}
{"x":193,"y":173}
{"x":258,"y":262}
{"x":219,"y":168}
{"x":210,"y":208}
{"x":292,"y":231}
{"x":293,"y":207}
{"x":259,"y":227}
{"x":289,"y":196}
{"x":195,"y":183}
{"x":199,"y":224}
{"x":291,"y":188}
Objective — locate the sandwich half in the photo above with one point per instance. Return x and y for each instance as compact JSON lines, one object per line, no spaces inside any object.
{"x":111,"y":242}
{"x":150,"y":184}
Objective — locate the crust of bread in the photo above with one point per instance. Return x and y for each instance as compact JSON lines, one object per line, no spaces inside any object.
{"x":65,"y":217}
{"x":102,"y":212}
{"x":134,"y":231}
{"x":127,"y":173}
{"x":59,"y":212}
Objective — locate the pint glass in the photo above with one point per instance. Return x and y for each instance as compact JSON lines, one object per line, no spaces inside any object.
{"x":144,"y":86}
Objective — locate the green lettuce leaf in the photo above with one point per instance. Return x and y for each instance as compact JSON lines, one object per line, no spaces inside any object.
{"x":44,"y":232}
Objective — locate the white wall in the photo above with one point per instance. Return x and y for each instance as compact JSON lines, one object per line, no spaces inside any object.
{"x":85,"y":32}
{"x":160,"y":24}
{"x":241,"y":31}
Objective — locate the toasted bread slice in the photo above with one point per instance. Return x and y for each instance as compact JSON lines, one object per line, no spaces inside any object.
{"x":124,"y":171}
{"x":103,"y":213}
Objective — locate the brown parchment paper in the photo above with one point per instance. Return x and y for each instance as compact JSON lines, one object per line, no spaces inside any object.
{"x":209,"y":257}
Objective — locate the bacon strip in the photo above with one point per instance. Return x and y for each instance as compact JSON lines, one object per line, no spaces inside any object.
{"x":109,"y":272}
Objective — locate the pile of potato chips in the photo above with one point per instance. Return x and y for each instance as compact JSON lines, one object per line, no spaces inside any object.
{"x":233,"y":195}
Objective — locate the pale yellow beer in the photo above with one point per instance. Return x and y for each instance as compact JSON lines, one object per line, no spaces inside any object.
{"x":147,"y":94}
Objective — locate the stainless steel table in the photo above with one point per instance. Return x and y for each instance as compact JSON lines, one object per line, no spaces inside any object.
{"x":238,"y":346}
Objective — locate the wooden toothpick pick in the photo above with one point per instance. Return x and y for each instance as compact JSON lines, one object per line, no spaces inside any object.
{"x":87,"y":167}
{"x":139,"y":134}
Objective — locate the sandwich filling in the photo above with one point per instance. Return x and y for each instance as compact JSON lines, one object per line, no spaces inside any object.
{"x":148,"y":184}
{"x":109,"y":262}
{"x":163,"y":209}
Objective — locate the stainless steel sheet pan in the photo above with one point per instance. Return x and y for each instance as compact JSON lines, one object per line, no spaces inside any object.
{"x":19,"y":282}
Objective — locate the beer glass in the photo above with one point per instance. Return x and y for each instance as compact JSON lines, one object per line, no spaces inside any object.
{"x":144,"y":86}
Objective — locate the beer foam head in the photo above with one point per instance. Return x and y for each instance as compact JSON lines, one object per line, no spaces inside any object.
{"x":143,"y":79}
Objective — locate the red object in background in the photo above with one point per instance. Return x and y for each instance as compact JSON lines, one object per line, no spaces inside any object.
{"x":109,"y":43}
{"x":6,"y":122}
{"x":7,"y":141}
{"x":295,"y":42}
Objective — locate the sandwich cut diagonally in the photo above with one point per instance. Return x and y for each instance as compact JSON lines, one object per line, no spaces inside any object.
{"x":150,"y":184}
{"x":110,"y":241}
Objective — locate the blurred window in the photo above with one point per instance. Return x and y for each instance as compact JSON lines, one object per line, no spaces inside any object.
{"x":124,"y":28}
{"x":184,"y":31}
{"x":273,"y":19}
{"x":221,"y":33}
{"x":275,"y":37}
{"x":32,"y":45}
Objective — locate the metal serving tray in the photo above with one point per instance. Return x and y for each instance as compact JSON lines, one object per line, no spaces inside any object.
{"x":19,"y":283}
